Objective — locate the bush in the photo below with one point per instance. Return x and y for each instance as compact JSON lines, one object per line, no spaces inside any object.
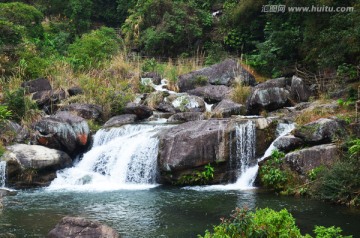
{"x":265,"y":223}
{"x":4,"y":113}
{"x":240,"y":93}
{"x":10,"y":34}
{"x":93,"y":48}
{"x":23,"y":15}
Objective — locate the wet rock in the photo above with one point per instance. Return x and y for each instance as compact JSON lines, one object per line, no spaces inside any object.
{"x":227,"y":108}
{"x":76,"y":90}
{"x":7,"y":192}
{"x":321,"y":131}
{"x":37,"y":85}
{"x":223,"y":73}
{"x":63,"y":131}
{"x":33,"y":165}
{"x":141,"y":111}
{"x":120,"y":120}
{"x":186,"y":116}
{"x":299,"y":90}
{"x":304,"y":160}
{"x":86,"y":111}
{"x":288,"y":143}
{"x":211,"y":93}
{"x":79,"y":227}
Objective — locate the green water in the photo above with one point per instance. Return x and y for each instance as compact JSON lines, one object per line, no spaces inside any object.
{"x":159,"y":212}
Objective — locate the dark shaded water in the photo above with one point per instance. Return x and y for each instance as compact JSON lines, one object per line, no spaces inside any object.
{"x":159,"y":212}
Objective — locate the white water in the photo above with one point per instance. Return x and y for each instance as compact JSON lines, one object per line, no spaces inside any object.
{"x":121,"y":158}
{"x":2,"y":174}
{"x":248,"y":175}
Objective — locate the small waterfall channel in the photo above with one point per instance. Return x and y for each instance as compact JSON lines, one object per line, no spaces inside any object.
{"x":121,"y":158}
{"x":2,"y":174}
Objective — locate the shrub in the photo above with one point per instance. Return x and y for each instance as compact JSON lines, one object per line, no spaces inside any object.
{"x":240,"y":93}
{"x":4,"y":113}
{"x":10,"y":34}
{"x":93,"y":48}
{"x":198,"y":177}
{"x":23,"y":15}
{"x":271,"y":173}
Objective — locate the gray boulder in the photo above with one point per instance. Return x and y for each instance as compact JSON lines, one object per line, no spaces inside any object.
{"x":223,"y":73}
{"x":141,"y":111}
{"x":33,"y":165}
{"x":186,"y":116}
{"x":76,"y":90}
{"x":299,"y":90}
{"x":227,"y":108}
{"x":63,"y":131}
{"x":86,"y":111}
{"x":79,"y":227}
{"x":288,"y":143}
{"x":187,"y":103}
{"x":12,"y":132}
{"x":40,"y":84}
{"x":304,"y":160}
{"x":165,"y":107}
{"x":211,"y":93}
{"x":48,"y":100}
{"x":321,"y":131}
{"x":155,"y":77}
{"x":120,"y":120}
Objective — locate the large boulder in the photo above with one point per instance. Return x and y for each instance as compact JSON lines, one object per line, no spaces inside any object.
{"x":186,"y":116}
{"x":86,"y":111}
{"x":299,"y":90}
{"x":321,"y":131}
{"x":141,"y":111}
{"x":302,"y":161}
{"x":187,"y":103}
{"x":40,"y":84}
{"x":63,"y":131}
{"x":79,"y":227}
{"x":227,"y":108}
{"x":120,"y":120}
{"x":12,"y":132}
{"x":223,"y":73}
{"x":33,"y":165}
{"x":155,"y":77}
{"x":288,"y":143}
{"x":211,"y":93}
{"x":268,"y":96}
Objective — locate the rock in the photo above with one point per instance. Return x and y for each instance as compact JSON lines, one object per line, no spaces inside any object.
{"x":307,"y":159}
{"x":223,"y":73}
{"x":155,"y":77}
{"x":288,"y":143}
{"x":274,"y":83}
{"x":187,"y":103}
{"x":33,"y":165}
{"x":120,"y":120}
{"x":266,"y":97}
{"x":79,"y":227}
{"x":7,"y":192}
{"x":165,"y":107}
{"x":76,"y":90}
{"x":299,"y":91}
{"x":48,"y":100}
{"x":40,"y":84}
{"x":155,"y":98}
{"x":86,"y":111}
{"x":211,"y":93}
{"x":186,"y":116}
{"x":227,"y":108}
{"x":12,"y":132}
{"x":141,"y":111}
{"x":63,"y":131}
{"x":321,"y":131}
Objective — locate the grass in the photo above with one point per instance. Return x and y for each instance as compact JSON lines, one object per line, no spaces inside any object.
{"x":240,"y":93}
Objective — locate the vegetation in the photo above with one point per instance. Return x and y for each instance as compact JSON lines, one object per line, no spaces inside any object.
{"x":265,"y":223}
{"x":198,"y":177}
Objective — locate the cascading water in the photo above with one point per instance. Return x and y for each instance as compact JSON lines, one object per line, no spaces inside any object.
{"x":2,"y":174}
{"x":248,"y":177}
{"x":121,"y":158}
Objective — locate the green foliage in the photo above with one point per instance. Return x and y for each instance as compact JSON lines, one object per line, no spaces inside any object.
{"x":10,"y":34}
{"x":354,"y":149}
{"x":23,"y":15}
{"x":266,"y":223}
{"x":79,"y":12}
{"x":18,"y":103}
{"x":313,"y":174}
{"x":93,"y":48}
{"x":2,"y":149}
{"x":329,"y":232}
{"x":198,"y":177}
{"x":201,"y":80}
{"x":4,"y":113}
{"x":271,"y":173}
{"x":149,"y":65}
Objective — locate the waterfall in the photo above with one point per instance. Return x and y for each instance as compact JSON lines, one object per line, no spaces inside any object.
{"x":2,"y":174}
{"x":243,"y":155}
{"x":248,"y":177}
{"x":121,"y":158}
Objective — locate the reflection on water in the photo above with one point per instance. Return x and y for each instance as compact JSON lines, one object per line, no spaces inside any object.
{"x":158,"y":212}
